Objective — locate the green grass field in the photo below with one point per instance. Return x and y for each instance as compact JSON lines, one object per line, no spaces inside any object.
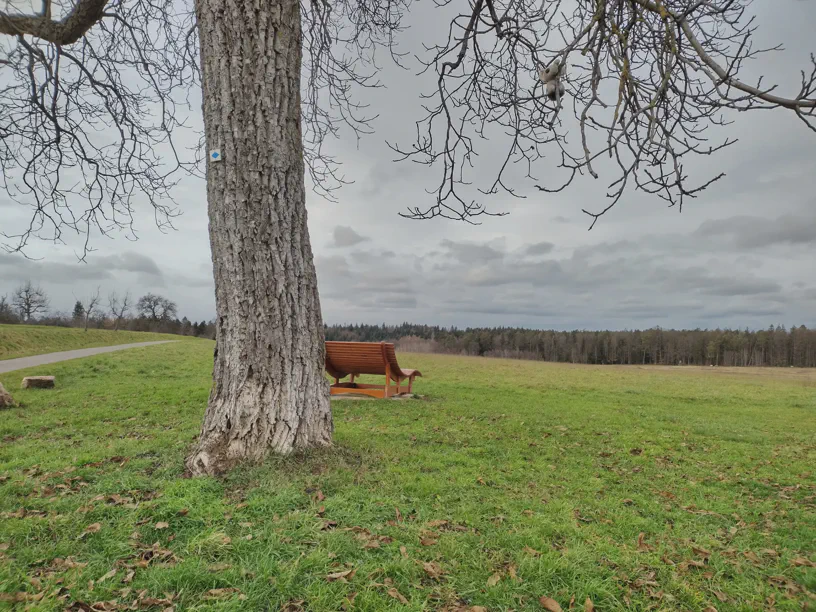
{"x":24,"y":340}
{"x":635,"y":488}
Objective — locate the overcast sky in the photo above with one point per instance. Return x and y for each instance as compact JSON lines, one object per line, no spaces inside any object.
{"x":740,"y":255}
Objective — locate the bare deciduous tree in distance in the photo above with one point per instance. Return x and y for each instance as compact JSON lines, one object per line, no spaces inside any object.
{"x":88,"y":307}
{"x":156,"y":307}
{"x":29,"y":300}
{"x":644,"y":81}
{"x":119,"y":308}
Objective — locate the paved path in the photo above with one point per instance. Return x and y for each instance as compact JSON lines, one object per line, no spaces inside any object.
{"x":9,"y":365}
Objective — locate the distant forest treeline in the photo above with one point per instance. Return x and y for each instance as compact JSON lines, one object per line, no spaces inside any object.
{"x":775,"y":346}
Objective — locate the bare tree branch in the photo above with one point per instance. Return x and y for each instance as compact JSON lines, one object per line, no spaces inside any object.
{"x":642,"y":82}
{"x":70,"y":29}
{"x":88,"y":122}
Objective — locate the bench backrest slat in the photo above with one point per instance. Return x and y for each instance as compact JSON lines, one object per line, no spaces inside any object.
{"x":344,"y":358}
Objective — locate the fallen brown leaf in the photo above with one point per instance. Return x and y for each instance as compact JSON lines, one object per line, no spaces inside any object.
{"x":531,"y":551}
{"x":751,"y":556}
{"x":721,"y":596}
{"x":161,"y":525}
{"x":69,"y":563}
{"x":437,"y":523}
{"x":494,"y":579}
{"x":433,"y":569}
{"x":399,"y":515}
{"x":110,"y":574}
{"x":549,"y":604}
{"x":511,"y":570}
{"x":397,"y":595}
{"x":219,"y":593}
{"x":709,"y":609}
{"x":91,"y":529}
{"x":691,"y":563}
{"x":349,"y":600}
{"x":589,"y":606}
{"x":428,"y":541}
{"x":218,"y":567}
{"x":404,"y":552}
{"x":342,"y":576}
{"x":636,"y":451}
{"x":129,"y":577}
{"x":702,"y":552}
{"x":627,"y":502}
{"x":183,"y":512}
{"x":21,"y":597}
{"x":769,"y":552}
{"x":802,"y":562}
{"x":641,"y":543}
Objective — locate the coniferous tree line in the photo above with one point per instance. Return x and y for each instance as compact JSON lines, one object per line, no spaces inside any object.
{"x":775,"y":346}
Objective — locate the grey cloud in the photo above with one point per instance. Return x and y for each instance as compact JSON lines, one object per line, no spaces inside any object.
{"x":750,"y":231}
{"x":346,"y":236}
{"x":128,"y":262}
{"x":543,"y":273}
{"x":470,"y":253}
{"x":741,"y":311}
{"x":700,"y":279}
{"x":368,"y":256}
{"x":390,"y":302}
{"x":181,"y":280}
{"x":332,"y":266}
{"x":16,"y":268}
{"x":540,"y":248}
{"x":96,"y":269}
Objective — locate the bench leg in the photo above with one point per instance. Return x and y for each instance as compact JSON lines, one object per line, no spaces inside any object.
{"x":387,"y":390}
{"x":410,"y":383}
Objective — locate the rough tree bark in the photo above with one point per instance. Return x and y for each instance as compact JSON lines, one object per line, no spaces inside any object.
{"x":269,"y":392}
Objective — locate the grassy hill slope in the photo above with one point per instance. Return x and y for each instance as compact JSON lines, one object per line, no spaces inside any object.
{"x":25,"y":340}
{"x":636,"y":488}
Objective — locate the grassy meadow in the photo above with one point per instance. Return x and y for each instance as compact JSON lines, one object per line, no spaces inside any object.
{"x":510,"y":486}
{"x":25,"y":340}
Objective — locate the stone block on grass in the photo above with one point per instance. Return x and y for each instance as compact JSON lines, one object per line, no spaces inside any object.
{"x":38,"y":382}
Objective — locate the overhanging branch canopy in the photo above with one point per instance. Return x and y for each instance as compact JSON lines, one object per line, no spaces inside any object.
{"x":645,"y":82}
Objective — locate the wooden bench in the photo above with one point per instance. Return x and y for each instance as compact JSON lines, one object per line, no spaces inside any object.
{"x":355,"y":358}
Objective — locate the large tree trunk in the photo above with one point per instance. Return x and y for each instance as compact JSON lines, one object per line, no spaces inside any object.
{"x":269,"y":391}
